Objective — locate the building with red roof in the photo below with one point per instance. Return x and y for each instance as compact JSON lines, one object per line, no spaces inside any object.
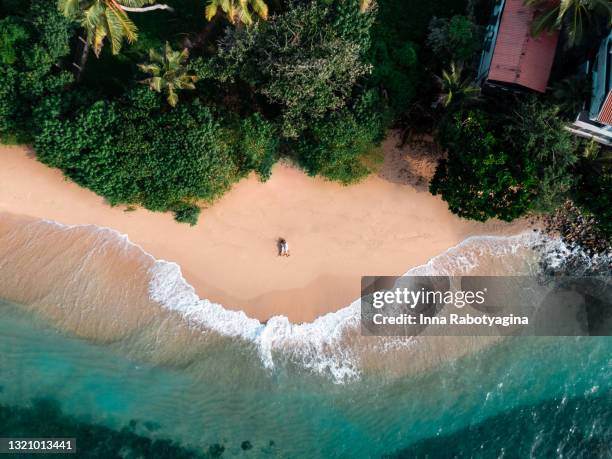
{"x":513,"y":58}
{"x":605,"y":115}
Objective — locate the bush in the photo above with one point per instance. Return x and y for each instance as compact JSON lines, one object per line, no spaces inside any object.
{"x":593,"y":192}
{"x":454,"y":39}
{"x":11,"y":33}
{"x":523,"y":162}
{"x":396,"y":70}
{"x":481,"y":179}
{"x":31,"y":50}
{"x":257,"y":147}
{"x":131,"y":153}
{"x":536,"y":130}
{"x":186,"y":213}
{"x":336,"y":147}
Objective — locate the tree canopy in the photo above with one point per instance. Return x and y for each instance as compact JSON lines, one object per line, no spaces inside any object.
{"x":503,"y":170}
{"x":172,"y":120}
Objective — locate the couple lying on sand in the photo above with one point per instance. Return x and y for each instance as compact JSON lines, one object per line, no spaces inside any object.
{"x":283,"y":248}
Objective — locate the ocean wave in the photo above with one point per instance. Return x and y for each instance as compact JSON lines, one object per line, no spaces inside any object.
{"x":320,"y":345}
{"x":309,"y":344}
{"x":332,"y":344}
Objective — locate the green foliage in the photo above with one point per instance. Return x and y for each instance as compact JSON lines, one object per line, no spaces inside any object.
{"x":299,"y":60}
{"x":570,"y":95}
{"x":237,"y":11}
{"x":593,"y":188}
{"x":480,"y":179}
{"x":104,"y":19}
{"x":9,"y":104}
{"x":537,"y":130}
{"x":257,"y":148}
{"x":11,"y":33}
{"x":336,"y":148}
{"x":131,"y":153}
{"x":185,"y":212}
{"x":457,"y":89}
{"x":396,"y":71}
{"x":397,"y":52}
{"x":169,"y":72}
{"x":503,"y":171}
{"x":578,"y":16}
{"x":31,"y":73}
{"x":595,"y":196}
{"x":454,"y":39}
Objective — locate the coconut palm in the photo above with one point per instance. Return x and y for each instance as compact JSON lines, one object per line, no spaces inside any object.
{"x":364,"y":5}
{"x":576,"y":15}
{"x":455,"y":87}
{"x":240,"y":11}
{"x":169,"y":72}
{"x":107,"y":19}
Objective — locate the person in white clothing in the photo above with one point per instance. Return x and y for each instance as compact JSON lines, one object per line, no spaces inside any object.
{"x":283,"y":248}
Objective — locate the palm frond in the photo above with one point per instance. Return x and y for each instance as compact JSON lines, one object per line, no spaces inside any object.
{"x":261,"y":8}
{"x":69,"y":8}
{"x":169,"y":72}
{"x":211,"y":10}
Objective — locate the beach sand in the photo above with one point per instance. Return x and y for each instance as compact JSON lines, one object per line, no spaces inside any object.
{"x":382,"y":226}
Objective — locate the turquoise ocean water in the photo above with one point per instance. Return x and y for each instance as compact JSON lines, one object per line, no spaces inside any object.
{"x":88,"y":367}
{"x":527,"y":397}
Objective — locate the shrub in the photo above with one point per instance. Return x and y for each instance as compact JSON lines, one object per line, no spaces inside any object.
{"x":454,"y":39}
{"x":480,"y":179}
{"x":186,"y":213}
{"x":336,"y":147}
{"x":524,"y":162}
{"x":31,"y":49}
{"x":537,"y":131}
{"x":593,"y":192}
{"x":396,"y":70}
{"x":11,"y":32}
{"x":257,"y":147}
{"x":131,"y":153}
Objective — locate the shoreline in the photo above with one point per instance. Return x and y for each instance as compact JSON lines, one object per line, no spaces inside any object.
{"x":384,"y":225}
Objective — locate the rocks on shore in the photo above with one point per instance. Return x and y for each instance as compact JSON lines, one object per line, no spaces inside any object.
{"x":585,"y":249}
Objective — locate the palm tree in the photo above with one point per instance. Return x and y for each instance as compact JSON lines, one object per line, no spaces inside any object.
{"x":169,"y":72}
{"x":455,"y":87}
{"x":103,"y":19}
{"x":577,"y":15}
{"x":364,"y":5}
{"x":238,"y":10}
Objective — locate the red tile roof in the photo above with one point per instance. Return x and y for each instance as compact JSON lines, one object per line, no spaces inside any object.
{"x":519,"y":57}
{"x":605,"y":115}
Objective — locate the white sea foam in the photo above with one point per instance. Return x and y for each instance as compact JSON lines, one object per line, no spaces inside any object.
{"x":317,"y":345}
{"x":323,"y":346}
{"x":308,"y":344}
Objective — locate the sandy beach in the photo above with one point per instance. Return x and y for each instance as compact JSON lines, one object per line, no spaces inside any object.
{"x":382,"y":226}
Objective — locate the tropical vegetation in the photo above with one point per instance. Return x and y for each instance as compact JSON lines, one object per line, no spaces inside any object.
{"x":168,"y":72}
{"x":576,"y":16}
{"x":181,"y":99}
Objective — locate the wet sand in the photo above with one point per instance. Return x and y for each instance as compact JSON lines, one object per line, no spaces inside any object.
{"x":382,"y":226}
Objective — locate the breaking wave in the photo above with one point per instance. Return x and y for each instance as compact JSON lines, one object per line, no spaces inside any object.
{"x":94,"y":282}
{"x":328,"y":345}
